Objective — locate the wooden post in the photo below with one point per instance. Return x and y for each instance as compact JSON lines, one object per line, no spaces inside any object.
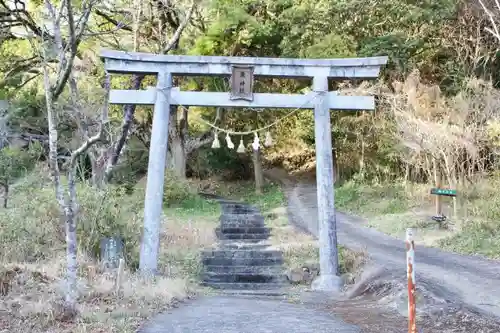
{"x":257,"y":164}
{"x":119,"y":275}
{"x":259,"y":176}
{"x":438,"y":179}
{"x":148,"y":261}
{"x":328,"y":254}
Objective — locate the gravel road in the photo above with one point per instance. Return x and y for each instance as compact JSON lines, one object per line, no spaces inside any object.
{"x":469,"y":280}
{"x":219,"y":314}
{"x":472,"y":282}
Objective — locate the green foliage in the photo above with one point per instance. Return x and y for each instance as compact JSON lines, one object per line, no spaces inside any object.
{"x":271,"y":197}
{"x":378,"y":198}
{"x":33,"y":229}
{"x":478,"y":237}
{"x":15,"y":162}
{"x":207,"y":162}
{"x":423,"y":35}
{"x":108,"y":213}
{"x":176,"y":190}
{"x":413,"y":34}
{"x":307,"y":255}
{"x":332,"y":46}
{"x":479,"y":228}
{"x":14,"y":66}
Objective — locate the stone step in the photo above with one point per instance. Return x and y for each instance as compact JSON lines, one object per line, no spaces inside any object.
{"x":243,"y":278}
{"x":223,"y":253}
{"x":249,"y":242}
{"x":265,"y":270}
{"x":234,"y":207}
{"x":243,"y":230}
{"x":242,"y":220}
{"x":244,"y":286}
{"x":242,"y":237}
{"x":275,"y":294}
{"x":254,"y":245}
{"x":221,"y":261}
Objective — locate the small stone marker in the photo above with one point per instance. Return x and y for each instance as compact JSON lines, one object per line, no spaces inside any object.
{"x":111,"y":251}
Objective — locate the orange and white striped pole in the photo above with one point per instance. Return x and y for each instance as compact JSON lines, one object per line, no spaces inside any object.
{"x":410,"y":261}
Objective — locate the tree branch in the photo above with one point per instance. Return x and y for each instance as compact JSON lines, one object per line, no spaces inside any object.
{"x":129,"y":110}
{"x":102,"y":128}
{"x":113,"y":21}
{"x":178,"y":32}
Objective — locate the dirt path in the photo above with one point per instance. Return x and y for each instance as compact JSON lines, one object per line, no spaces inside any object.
{"x":233,"y":314}
{"x":452,"y":278}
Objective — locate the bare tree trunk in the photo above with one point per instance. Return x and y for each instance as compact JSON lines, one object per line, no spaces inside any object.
{"x":407,"y":173}
{"x":362,"y":158}
{"x":336,"y":171}
{"x":176,"y":156}
{"x":98,"y":172}
{"x":454,"y":186}
{"x":65,"y":59}
{"x":71,"y":240}
{"x":257,"y":167}
{"x":66,"y":213}
{"x":128,"y":117}
{"x":5,"y":194}
{"x":428,"y":168}
{"x":129,"y":110}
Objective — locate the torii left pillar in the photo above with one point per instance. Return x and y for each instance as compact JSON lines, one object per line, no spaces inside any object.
{"x":153,"y":203}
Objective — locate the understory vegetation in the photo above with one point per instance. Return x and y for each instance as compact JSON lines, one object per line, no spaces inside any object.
{"x":394,"y":207}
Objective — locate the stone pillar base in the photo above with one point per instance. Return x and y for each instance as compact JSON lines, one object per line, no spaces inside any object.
{"x":327,"y":283}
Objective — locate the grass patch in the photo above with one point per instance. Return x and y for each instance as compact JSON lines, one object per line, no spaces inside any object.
{"x":301,"y":250}
{"x":33,"y":245}
{"x":476,"y":238}
{"x":271,"y":197}
{"x":391,"y":208}
{"x":378,"y":199}
{"x":304,"y":255}
{"x":479,"y":226}
{"x":34,"y":299}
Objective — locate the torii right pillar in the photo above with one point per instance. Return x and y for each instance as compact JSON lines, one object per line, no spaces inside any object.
{"x":329,"y":279}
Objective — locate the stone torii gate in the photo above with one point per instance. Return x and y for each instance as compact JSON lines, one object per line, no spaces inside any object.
{"x":240,"y":68}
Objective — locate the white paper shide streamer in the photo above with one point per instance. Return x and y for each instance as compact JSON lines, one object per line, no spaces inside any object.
{"x":241,"y":147}
{"x":256,"y":142}
{"x":216,"y":143}
{"x":229,"y":143}
{"x":269,"y":140}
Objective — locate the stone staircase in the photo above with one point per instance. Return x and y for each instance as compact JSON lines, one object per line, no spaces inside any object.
{"x":242,"y":262}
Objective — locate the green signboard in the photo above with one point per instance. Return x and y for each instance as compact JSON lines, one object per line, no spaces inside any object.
{"x":444,"y":191}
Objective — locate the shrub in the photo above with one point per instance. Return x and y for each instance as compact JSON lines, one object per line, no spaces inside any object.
{"x":32,"y":229}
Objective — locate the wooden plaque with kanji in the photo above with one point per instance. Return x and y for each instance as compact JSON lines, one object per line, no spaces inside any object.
{"x":242,"y":83}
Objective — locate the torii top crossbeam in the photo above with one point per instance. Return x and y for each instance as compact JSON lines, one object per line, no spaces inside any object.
{"x":147,"y":63}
